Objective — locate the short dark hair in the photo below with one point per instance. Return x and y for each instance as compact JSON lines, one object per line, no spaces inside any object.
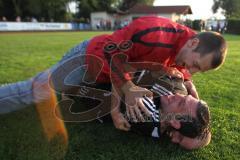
{"x":196,"y":127}
{"x":212,"y":42}
{"x":203,"y":118}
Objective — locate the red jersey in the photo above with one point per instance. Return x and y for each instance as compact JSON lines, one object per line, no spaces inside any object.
{"x":154,"y":39}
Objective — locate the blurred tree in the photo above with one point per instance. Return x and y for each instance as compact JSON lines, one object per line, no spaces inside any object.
{"x":125,"y":5}
{"x":50,"y":9}
{"x":231,"y":8}
{"x":87,"y":6}
{"x":1,"y":8}
{"x":11,"y":8}
{"x":54,"y":9}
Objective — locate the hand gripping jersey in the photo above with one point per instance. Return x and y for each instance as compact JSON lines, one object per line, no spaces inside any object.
{"x":163,"y":85}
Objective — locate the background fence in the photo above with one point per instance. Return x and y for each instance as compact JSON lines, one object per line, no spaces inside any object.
{"x":35,"y":26}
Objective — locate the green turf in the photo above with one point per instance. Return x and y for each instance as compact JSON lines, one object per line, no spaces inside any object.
{"x":21,"y":135}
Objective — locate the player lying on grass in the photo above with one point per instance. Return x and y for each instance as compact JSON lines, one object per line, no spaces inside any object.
{"x":182,"y":117}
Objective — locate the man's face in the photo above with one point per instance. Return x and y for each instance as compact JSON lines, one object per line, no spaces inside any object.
{"x":192,"y":60}
{"x":179,"y":105}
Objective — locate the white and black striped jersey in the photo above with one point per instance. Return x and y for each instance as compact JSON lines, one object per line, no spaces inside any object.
{"x":151,"y":126}
{"x":154,"y":110}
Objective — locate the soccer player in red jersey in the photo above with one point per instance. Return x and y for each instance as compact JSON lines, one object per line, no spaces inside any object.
{"x":156,"y":40}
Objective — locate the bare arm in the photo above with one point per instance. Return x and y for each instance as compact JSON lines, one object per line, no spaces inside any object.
{"x":118,"y":118}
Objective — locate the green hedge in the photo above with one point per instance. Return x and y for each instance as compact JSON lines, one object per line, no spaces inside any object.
{"x":233,"y":27}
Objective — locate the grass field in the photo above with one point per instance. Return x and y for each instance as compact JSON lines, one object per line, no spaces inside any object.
{"x":22,"y":55}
